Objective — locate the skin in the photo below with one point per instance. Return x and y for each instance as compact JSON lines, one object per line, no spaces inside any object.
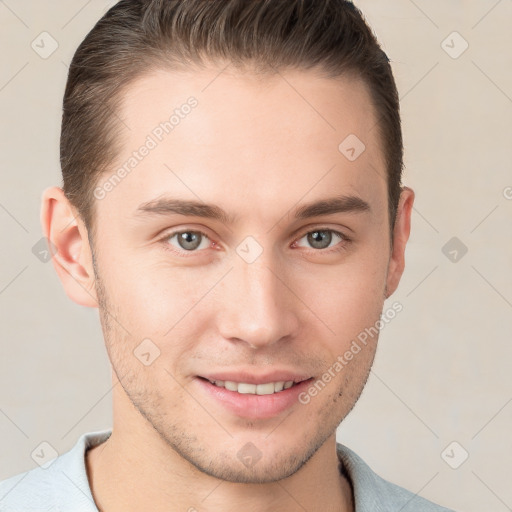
{"x":258,"y":150}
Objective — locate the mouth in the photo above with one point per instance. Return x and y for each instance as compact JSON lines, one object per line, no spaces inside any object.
{"x":246,"y":388}
{"x":256,"y":401}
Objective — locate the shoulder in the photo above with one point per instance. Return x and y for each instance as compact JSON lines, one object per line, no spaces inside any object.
{"x":373,"y":493}
{"x":60,"y":484}
{"x":31,"y":490}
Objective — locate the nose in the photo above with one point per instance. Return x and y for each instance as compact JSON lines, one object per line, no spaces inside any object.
{"x":257,"y":304}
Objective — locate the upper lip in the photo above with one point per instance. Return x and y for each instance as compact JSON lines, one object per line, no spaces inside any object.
{"x":252,"y":378}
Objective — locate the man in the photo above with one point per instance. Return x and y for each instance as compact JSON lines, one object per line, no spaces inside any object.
{"x":232,"y":204}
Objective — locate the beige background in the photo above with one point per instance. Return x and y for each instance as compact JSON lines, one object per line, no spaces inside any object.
{"x":442,"y":371}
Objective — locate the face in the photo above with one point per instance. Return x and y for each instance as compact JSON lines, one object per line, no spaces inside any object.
{"x":259,"y":294}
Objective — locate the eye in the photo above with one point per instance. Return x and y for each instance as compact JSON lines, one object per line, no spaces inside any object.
{"x":322,"y":238}
{"x":188,"y":240}
{"x":319,"y":239}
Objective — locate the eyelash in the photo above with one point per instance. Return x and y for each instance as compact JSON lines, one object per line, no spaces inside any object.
{"x":341,"y":246}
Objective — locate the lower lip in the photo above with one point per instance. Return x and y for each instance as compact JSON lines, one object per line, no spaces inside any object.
{"x":254,"y":406}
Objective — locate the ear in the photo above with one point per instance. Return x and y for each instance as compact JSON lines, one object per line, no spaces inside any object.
{"x":69,"y":247}
{"x":401,"y":232}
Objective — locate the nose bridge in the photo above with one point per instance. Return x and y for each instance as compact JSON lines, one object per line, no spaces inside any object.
{"x":257,"y":306}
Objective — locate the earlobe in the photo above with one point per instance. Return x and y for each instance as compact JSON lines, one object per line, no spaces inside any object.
{"x":401,"y":233}
{"x":69,"y":246}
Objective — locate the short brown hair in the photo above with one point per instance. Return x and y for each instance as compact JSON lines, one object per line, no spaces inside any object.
{"x":136,"y":36}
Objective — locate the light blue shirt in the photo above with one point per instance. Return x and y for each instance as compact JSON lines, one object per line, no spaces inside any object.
{"x":62,"y":485}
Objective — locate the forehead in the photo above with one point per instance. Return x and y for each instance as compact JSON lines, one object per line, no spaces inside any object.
{"x":254,"y":141}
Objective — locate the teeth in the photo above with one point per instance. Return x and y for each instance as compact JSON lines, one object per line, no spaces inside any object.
{"x":254,"y":389}
{"x":247,"y":388}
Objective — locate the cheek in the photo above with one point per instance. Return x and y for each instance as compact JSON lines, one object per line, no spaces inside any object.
{"x":348,"y":296}
{"x":153,"y":298}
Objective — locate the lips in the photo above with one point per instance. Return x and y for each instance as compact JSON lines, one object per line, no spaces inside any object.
{"x":244,"y":403}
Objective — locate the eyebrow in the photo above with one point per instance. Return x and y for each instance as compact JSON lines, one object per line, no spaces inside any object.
{"x":168,"y":206}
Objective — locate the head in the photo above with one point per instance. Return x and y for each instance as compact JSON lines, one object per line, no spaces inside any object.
{"x":262,"y":113}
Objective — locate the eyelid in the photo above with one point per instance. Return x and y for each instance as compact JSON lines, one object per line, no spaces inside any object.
{"x":322,"y":228}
